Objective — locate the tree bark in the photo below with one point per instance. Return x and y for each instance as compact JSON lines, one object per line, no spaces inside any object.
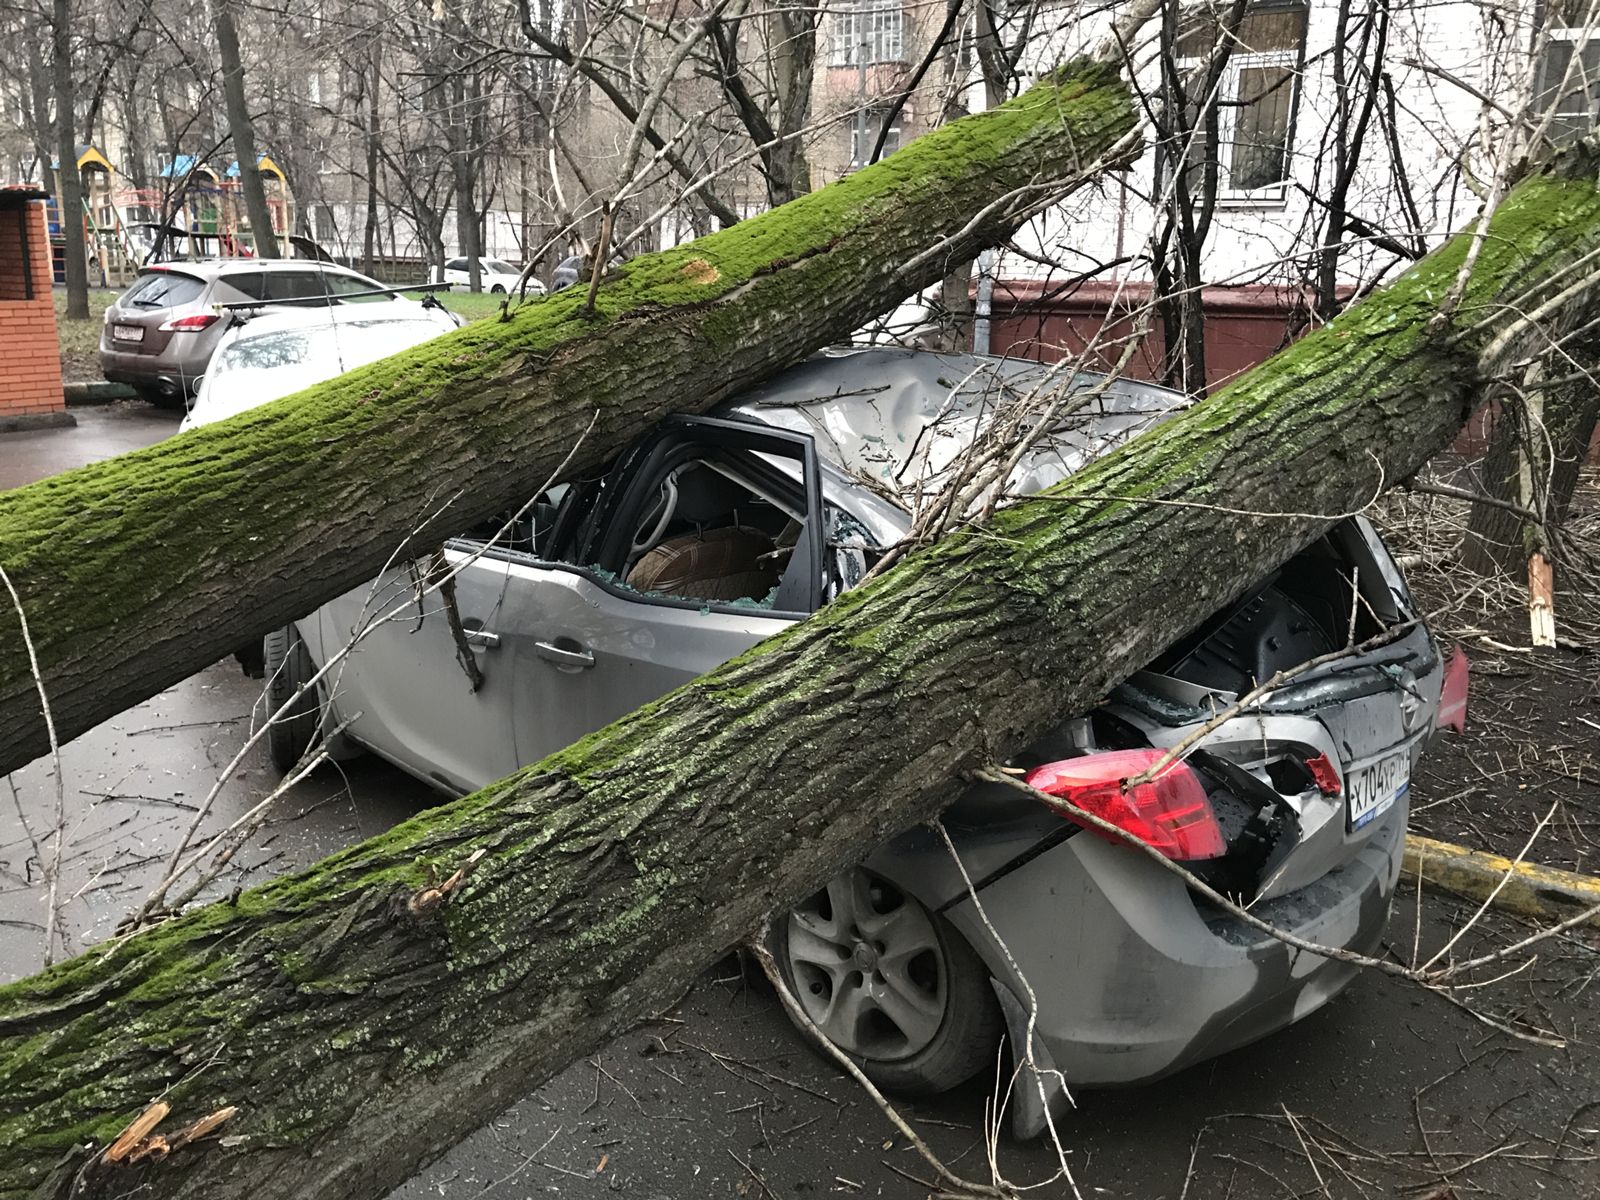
{"x":362,"y":1015}
{"x":1548,"y":457}
{"x":371,"y":80}
{"x":322,"y":489}
{"x":461,"y":176}
{"x":242,"y":130}
{"x":69,"y":185}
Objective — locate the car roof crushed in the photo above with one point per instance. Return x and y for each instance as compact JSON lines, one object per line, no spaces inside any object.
{"x":901,"y":420}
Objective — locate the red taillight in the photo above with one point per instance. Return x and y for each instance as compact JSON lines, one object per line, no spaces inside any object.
{"x":1169,"y":812}
{"x":1453,"y":694}
{"x":1324,"y":774}
{"x":192,"y":324}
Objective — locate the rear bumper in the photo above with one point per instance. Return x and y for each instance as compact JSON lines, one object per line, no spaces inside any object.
{"x":1136,"y":980}
{"x":160,"y":372}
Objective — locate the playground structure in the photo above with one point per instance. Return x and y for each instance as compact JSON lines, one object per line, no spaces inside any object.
{"x":198,"y":212}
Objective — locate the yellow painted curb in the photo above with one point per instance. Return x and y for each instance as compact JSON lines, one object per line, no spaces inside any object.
{"x":1532,"y":891}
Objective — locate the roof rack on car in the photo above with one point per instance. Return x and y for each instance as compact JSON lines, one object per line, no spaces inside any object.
{"x":302,"y":301}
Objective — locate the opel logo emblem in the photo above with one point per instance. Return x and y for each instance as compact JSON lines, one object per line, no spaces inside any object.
{"x":1410,"y":702}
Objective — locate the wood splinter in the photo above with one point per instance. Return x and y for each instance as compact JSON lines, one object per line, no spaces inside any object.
{"x":1541,"y":600}
{"x":139,"y":1141}
{"x":430,"y":898}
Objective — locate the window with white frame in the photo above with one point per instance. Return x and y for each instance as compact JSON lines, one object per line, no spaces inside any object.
{"x":1256,"y":97}
{"x":1569,"y":72}
{"x":870,"y":31}
{"x":864,"y":129}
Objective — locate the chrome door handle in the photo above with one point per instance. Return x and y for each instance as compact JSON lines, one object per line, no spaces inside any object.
{"x":481,"y":637}
{"x":567,"y":658}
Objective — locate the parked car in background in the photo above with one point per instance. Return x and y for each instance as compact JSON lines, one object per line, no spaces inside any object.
{"x":714,"y":532}
{"x":495,"y":275}
{"x":280,"y":351}
{"x":159,"y":335}
{"x":568,"y":271}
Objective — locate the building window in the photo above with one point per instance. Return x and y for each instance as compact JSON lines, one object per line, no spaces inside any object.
{"x":872,"y":31}
{"x":1255,"y":99}
{"x":864,"y":129}
{"x":1569,"y":73}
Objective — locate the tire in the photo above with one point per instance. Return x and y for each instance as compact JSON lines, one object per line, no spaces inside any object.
{"x":926,"y":1024}
{"x":287,"y":666}
{"x":498,"y":290}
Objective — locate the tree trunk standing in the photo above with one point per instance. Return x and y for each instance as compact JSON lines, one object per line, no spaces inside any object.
{"x":242,"y":130}
{"x":322,"y":490}
{"x":792,"y":35}
{"x":362,"y":1016}
{"x":41,"y":87}
{"x":1350,"y":136}
{"x":956,"y":298}
{"x":372,"y":134}
{"x":458,"y":128}
{"x":1188,"y":173}
{"x":773,"y":126}
{"x":1547,"y":454}
{"x":69,"y":186}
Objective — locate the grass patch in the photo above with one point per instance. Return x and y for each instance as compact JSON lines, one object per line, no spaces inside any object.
{"x":80,"y":340}
{"x":472,"y":307}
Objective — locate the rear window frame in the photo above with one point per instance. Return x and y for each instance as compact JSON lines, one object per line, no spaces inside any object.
{"x":128,"y":298}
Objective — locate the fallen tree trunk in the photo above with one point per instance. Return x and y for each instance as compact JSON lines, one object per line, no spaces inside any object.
{"x":137,"y":572}
{"x":362,"y":1019}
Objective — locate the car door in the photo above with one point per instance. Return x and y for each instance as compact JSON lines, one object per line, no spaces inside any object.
{"x":405,"y":688}
{"x":589,"y":649}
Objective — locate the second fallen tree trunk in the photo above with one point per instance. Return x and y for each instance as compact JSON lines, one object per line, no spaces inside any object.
{"x":137,"y":572}
{"x":361,"y":1022}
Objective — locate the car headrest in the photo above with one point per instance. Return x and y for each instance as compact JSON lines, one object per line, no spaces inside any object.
{"x":705,"y":495}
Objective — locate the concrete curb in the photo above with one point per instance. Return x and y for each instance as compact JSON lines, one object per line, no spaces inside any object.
{"x":99,"y":391}
{"x":23,"y":422}
{"x":1531,"y":891}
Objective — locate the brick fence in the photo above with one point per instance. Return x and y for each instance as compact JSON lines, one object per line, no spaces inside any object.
{"x":32,"y":376}
{"x":1244,"y":325}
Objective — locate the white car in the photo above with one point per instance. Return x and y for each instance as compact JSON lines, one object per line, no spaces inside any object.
{"x":280,"y":351}
{"x":495,"y":275}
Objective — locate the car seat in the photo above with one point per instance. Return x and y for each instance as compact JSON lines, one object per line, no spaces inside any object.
{"x":719,"y":559}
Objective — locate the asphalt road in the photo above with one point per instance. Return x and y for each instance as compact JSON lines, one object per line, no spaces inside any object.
{"x":1387,"y":1091}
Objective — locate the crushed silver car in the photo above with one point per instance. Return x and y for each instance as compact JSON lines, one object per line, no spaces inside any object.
{"x":716,"y":531}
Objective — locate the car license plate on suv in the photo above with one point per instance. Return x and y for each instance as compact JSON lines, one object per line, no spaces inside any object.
{"x":1370,"y":791}
{"x":128,"y":333}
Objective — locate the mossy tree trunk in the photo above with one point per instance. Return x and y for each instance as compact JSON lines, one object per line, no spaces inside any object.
{"x":361,"y":1022}
{"x":135,"y":573}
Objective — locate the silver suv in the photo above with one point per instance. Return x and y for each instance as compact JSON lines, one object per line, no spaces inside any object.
{"x":160,"y":333}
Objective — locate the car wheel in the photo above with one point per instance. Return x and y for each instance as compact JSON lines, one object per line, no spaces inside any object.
{"x":287,"y":666}
{"x":498,"y":290}
{"x":891,"y":984}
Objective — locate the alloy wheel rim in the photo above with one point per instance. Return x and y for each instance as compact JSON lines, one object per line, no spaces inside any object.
{"x":868,"y":967}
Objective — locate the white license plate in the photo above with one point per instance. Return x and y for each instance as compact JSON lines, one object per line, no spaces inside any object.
{"x":128,"y":333}
{"x":1371,"y":791}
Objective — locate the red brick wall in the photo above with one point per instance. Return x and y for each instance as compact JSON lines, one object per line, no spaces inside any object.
{"x":1244,"y":325}
{"x":30,"y":381}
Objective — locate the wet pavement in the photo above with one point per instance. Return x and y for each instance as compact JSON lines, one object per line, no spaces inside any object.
{"x":1388,"y":1090}
{"x":102,"y":431}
